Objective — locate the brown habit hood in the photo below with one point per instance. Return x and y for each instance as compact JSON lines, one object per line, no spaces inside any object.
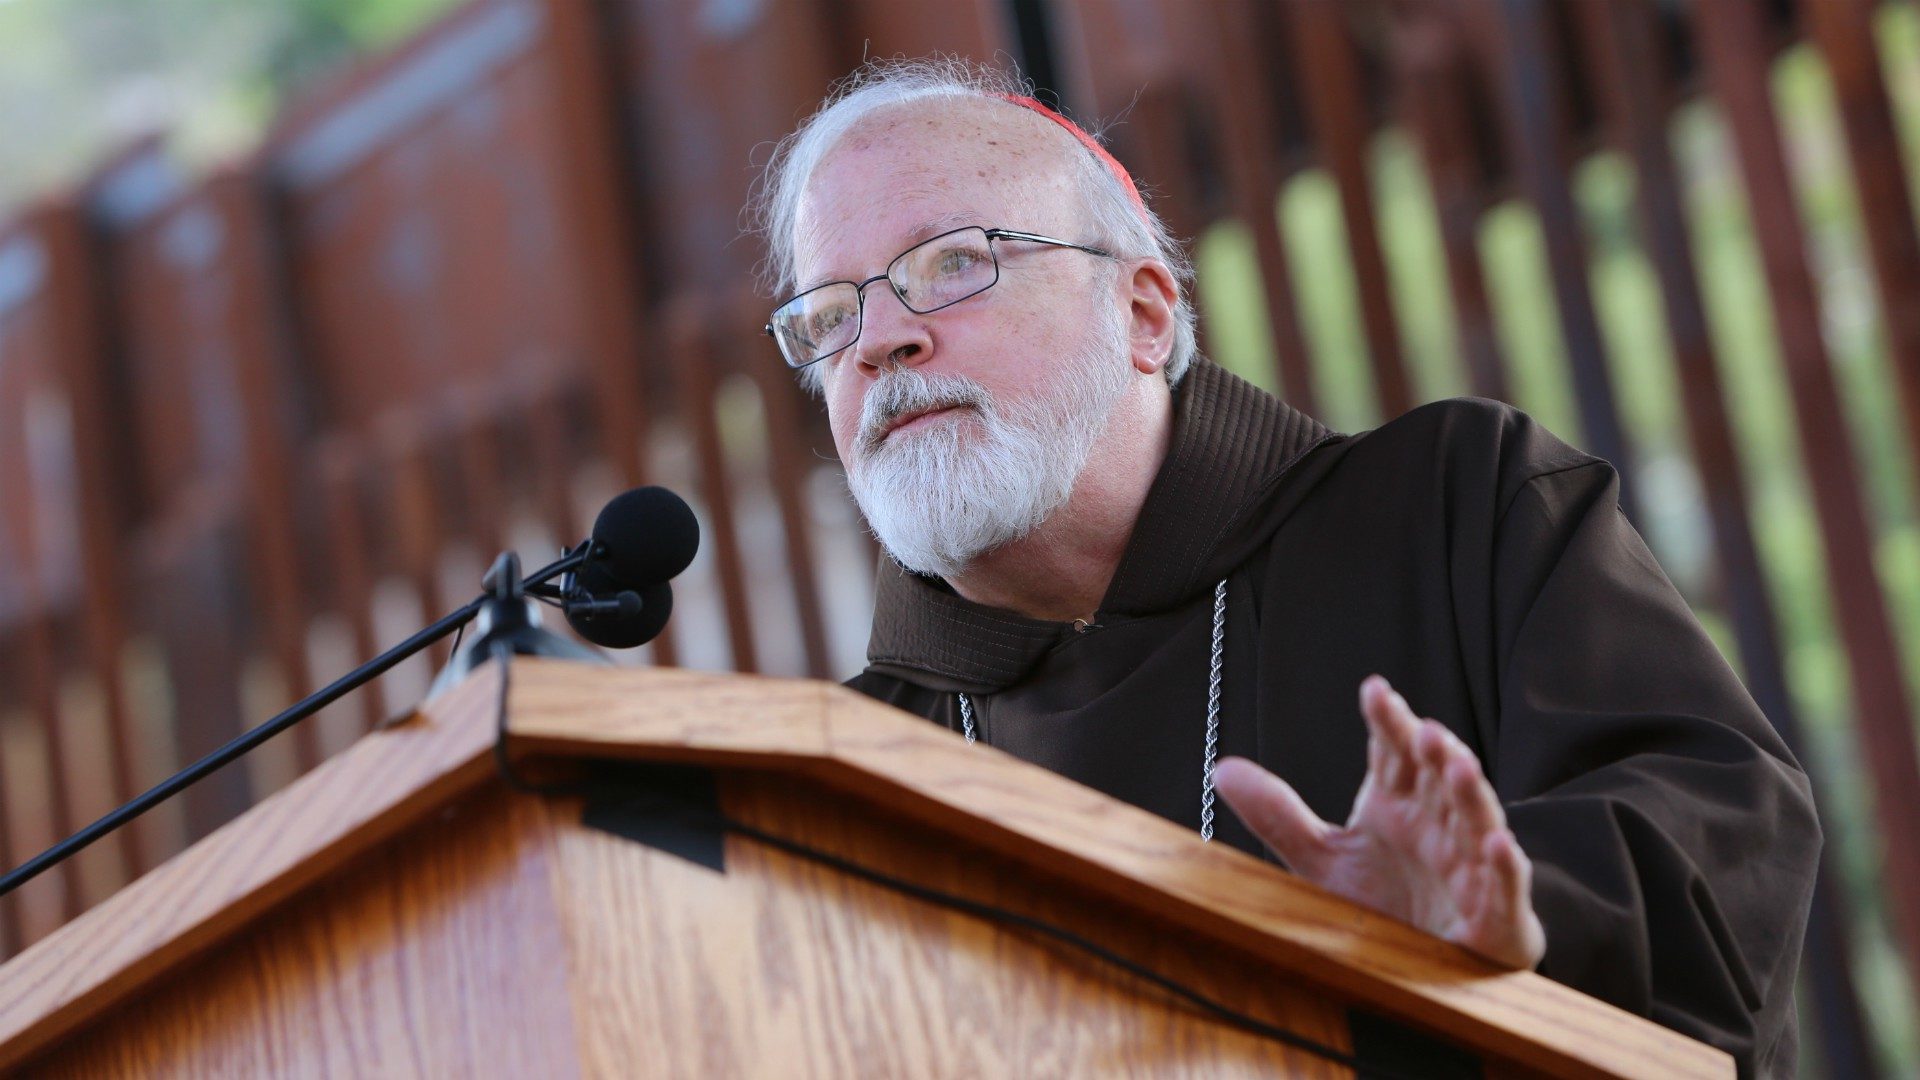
{"x":1485,"y":568}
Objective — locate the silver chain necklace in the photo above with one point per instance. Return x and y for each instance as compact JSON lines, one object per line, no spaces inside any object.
{"x":1212,"y":748}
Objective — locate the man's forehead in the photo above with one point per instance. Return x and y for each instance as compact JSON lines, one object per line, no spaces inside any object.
{"x":1009,"y":129}
{"x":947,"y":222}
{"x":920,"y":169}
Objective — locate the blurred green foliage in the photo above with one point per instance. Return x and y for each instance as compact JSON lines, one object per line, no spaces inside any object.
{"x":79,"y":79}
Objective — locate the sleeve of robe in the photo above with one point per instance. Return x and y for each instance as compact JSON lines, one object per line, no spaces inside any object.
{"x":1673,"y":835}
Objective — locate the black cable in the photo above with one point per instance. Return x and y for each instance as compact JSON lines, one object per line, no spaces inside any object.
{"x":235,"y":747}
{"x":502,"y":654}
{"x":241,"y":744}
{"x":503,"y":658}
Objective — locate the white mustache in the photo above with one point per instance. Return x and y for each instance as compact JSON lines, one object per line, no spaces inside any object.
{"x":906,"y":390}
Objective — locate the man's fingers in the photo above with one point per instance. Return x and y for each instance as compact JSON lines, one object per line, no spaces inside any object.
{"x":1392,"y":728}
{"x":1426,"y":795}
{"x":1387,"y":714}
{"x":1505,"y":928}
{"x":1512,"y":871}
{"x":1275,"y":813}
{"x":1474,"y":809}
{"x":1477,"y":807}
{"x":1431,"y":753}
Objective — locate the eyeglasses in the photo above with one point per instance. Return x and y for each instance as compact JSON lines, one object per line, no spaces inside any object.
{"x":928,"y":276}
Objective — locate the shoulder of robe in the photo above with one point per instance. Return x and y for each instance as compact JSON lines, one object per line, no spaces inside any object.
{"x":1468,"y":449}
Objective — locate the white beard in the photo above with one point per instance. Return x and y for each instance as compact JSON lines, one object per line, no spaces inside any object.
{"x":941,"y":495}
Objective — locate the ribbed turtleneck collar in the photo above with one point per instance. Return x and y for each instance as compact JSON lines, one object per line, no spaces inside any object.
{"x":1215,"y":500}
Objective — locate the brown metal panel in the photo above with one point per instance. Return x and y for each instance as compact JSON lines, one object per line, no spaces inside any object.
{"x":62,"y":893}
{"x":210,"y":409}
{"x":278,"y":521}
{"x":1635,"y":79}
{"x":77,"y":321}
{"x":186,"y":566}
{"x":597,"y":193}
{"x":40,"y":517}
{"x":10,"y":933}
{"x":1532,"y":105}
{"x":583,"y":52}
{"x":65,"y":463}
{"x":39,"y":528}
{"x":550,"y":439}
{"x":1431,"y":95}
{"x":1844,"y":31}
{"x":9,"y":907}
{"x":688,"y":322}
{"x":453,"y":216}
{"x":43,"y":701}
{"x":1196,"y":121}
{"x":442,"y":223}
{"x":170,"y":297}
{"x":338,"y":466}
{"x":1326,"y":57}
{"x":789,"y":451}
{"x":1732,"y":43}
{"x":421,"y":219}
{"x":863,"y":29}
{"x":473,"y":423}
{"x":1244,"y":104}
{"x":712,"y":88}
{"x":181,"y":379}
{"x":414,"y":530}
{"x":1123,"y":63}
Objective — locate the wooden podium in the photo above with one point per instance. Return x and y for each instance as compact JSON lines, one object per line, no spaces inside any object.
{"x":404,"y":911}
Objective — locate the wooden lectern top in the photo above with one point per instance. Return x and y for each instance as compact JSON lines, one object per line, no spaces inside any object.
{"x":398,"y":778}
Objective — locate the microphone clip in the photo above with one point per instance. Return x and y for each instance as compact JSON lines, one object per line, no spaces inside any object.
{"x":626,"y":604}
{"x":609,"y":611}
{"x":581,"y":603}
{"x":507,"y":614}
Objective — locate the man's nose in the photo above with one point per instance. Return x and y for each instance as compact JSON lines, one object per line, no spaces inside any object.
{"x":891,"y":334}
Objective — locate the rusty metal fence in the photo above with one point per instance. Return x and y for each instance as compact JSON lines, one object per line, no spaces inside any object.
{"x":256,"y":424}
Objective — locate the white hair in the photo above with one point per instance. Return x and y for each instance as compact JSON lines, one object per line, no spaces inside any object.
{"x":1118,"y":223}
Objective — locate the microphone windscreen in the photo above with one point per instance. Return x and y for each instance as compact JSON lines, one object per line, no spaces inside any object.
{"x":648,"y":534}
{"x":643,"y":612}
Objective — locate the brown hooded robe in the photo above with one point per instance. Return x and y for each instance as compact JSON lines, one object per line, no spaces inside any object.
{"x":1485,"y":568}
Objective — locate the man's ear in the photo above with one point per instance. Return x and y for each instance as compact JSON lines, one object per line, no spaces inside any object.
{"x":1151,"y":294}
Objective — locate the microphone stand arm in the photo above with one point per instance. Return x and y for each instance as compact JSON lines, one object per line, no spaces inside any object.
{"x":241,"y":744}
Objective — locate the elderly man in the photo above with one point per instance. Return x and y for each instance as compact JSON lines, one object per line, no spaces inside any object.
{"x":1114,"y":559}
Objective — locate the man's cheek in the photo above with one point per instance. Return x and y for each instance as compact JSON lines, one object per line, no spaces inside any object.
{"x":844,"y":421}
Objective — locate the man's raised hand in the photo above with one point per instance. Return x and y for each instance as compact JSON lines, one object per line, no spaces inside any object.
{"x":1427,"y":841}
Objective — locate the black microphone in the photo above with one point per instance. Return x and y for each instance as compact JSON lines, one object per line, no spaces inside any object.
{"x":644,"y":537}
{"x":619,"y":598}
{"x":610,"y":616}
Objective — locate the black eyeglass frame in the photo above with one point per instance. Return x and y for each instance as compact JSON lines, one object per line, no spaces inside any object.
{"x":860,"y":287}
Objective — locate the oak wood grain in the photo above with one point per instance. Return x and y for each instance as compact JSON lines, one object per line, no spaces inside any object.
{"x":298,"y":836}
{"x":918,"y":785}
{"x":783,"y":967}
{"x":489,"y":938}
{"x":436,"y":954}
{"x":1043,"y":820}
